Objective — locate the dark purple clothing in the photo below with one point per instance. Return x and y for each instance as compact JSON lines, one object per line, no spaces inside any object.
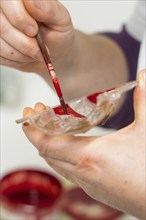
{"x":130,"y":47}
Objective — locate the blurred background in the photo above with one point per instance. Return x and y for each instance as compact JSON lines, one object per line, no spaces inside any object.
{"x":25,"y":89}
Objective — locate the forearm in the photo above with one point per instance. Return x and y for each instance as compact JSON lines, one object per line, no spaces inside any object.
{"x":95,"y":63}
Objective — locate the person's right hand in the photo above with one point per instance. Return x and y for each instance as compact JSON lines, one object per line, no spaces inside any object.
{"x":18,"y":28}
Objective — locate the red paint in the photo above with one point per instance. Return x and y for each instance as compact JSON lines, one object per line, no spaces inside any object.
{"x":30,"y":192}
{"x":58,"y":110}
{"x":50,"y":67}
{"x":93,"y":97}
{"x":56,"y":84}
{"x":54,"y":80}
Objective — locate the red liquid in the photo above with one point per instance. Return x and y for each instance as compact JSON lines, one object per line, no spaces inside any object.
{"x":56,"y":85}
{"x":30,"y":192}
{"x":92,"y":98}
{"x":58,"y":110}
{"x":50,"y":67}
{"x":54,"y":79}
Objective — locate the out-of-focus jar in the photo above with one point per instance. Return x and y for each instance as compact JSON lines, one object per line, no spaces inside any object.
{"x":79,"y":206}
{"x":30,"y":194}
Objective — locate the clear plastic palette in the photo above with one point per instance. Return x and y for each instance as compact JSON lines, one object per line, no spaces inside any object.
{"x":93,"y":110}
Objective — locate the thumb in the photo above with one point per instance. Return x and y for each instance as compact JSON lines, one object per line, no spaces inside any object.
{"x":48,"y":12}
{"x":140,"y":97}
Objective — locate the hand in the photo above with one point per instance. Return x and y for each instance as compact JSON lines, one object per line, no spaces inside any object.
{"x":110,"y":168}
{"x":19,"y":19}
{"x":67,"y":46}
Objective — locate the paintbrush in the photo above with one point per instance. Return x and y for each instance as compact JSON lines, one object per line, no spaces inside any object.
{"x":50,"y":69}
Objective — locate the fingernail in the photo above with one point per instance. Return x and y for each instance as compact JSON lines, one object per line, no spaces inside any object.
{"x":26,"y":123}
{"x":142,"y":78}
{"x":27,"y":112}
{"x":30,"y":30}
{"x":37,"y":4}
{"x":39,"y":107}
{"x":39,"y":56}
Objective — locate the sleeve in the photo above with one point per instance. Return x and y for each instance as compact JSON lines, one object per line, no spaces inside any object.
{"x":129,"y":39}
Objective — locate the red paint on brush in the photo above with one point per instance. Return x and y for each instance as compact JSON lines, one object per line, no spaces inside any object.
{"x":54,"y":79}
{"x":56,"y":84}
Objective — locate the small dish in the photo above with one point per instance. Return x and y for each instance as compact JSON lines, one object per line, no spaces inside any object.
{"x":30,"y":194}
{"x":80,"y":206}
{"x":82,"y":115}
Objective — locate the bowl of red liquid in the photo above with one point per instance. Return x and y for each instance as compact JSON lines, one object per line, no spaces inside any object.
{"x":80,"y":206}
{"x":30,"y":194}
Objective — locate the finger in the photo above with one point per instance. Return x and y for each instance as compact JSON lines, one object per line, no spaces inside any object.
{"x":26,"y":45}
{"x":28,"y":112}
{"x":39,"y":107}
{"x":64,"y":148}
{"x":10,"y":63}
{"x":10,"y":53}
{"x":48,"y":12}
{"x":19,"y":17}
{"x":140,"y":98}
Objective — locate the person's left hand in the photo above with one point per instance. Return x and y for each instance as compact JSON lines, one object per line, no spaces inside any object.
{"x":109,"y":168}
